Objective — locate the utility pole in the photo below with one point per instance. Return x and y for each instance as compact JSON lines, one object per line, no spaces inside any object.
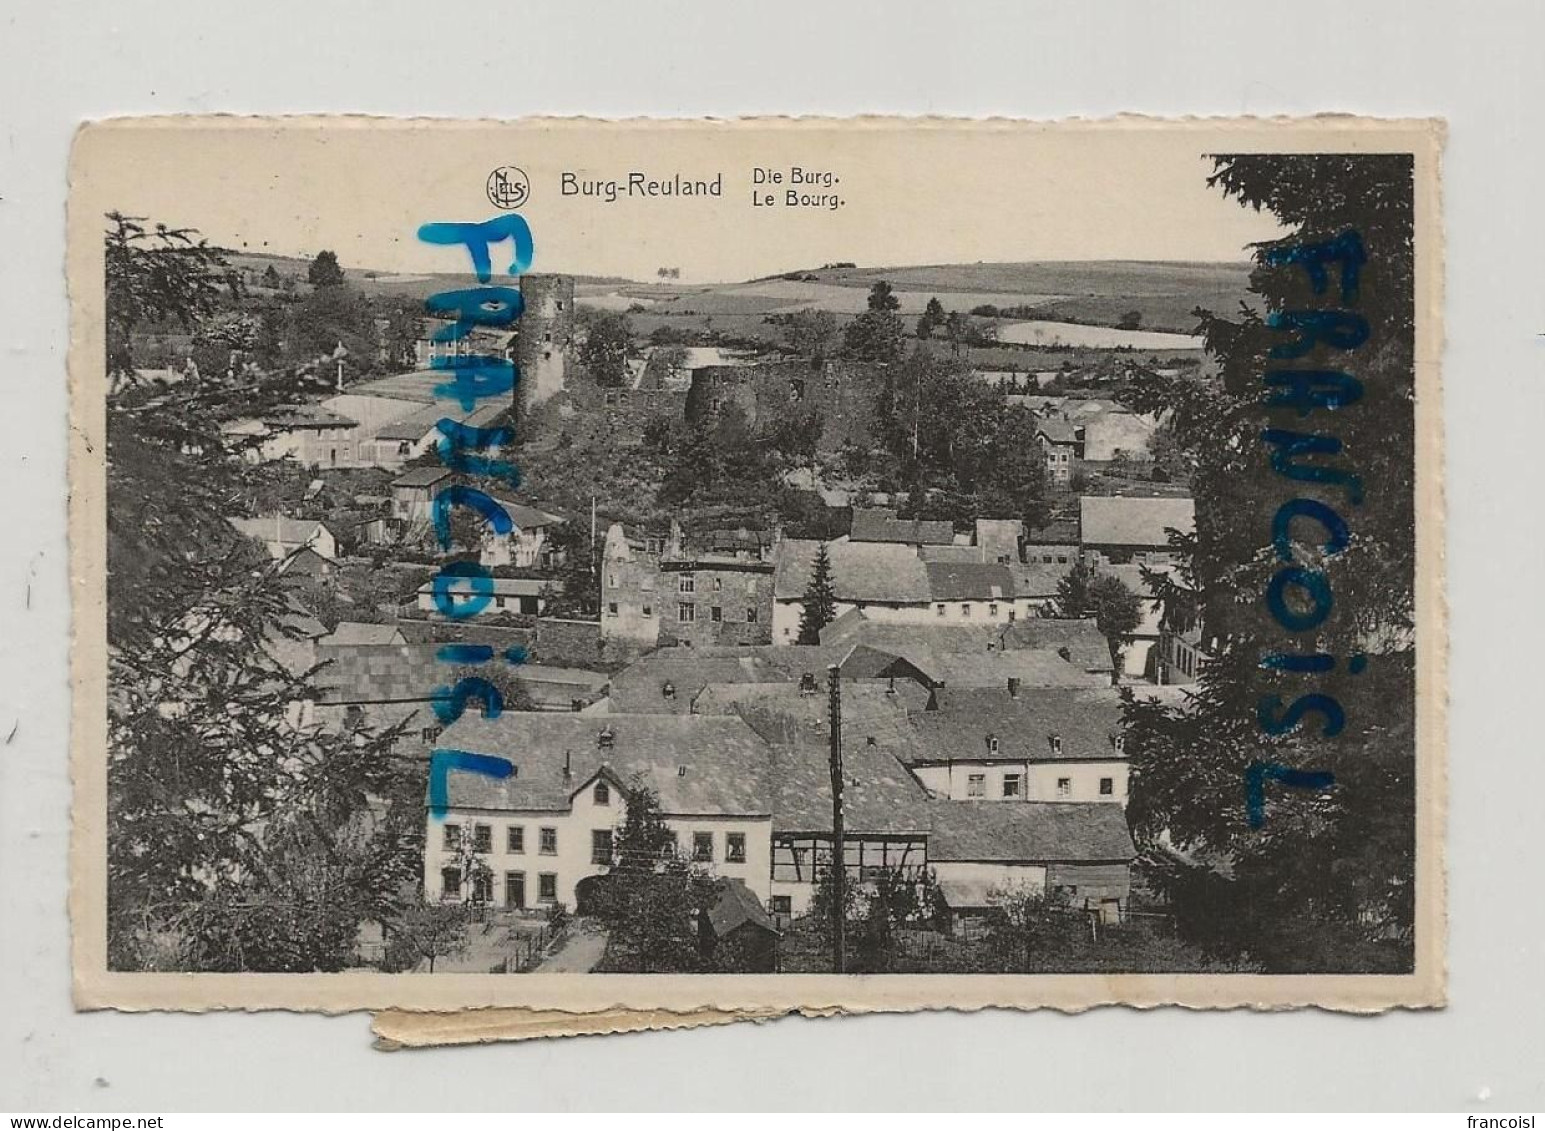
{"x":839,"y":850}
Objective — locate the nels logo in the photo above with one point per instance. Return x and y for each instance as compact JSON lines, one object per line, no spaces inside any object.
{"x":508,"y":187}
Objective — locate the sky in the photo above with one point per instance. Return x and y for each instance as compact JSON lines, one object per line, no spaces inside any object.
{"x":911,"y":194}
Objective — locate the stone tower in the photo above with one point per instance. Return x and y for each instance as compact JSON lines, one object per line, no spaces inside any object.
{"x":545,"y":335}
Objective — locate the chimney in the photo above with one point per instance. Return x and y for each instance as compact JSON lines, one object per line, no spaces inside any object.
{"x":568,"y":767}
{"x":1013,"y":687}
{"x":681,"y":771}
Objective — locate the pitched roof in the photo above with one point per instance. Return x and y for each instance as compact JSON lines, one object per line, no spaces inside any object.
{"x":426,"y":476}
{"x":781,"y":712}
{"x":1087,"y":720}
{"x":641,"y":686}
{"x":279,"y":532}
{"x":880,"y":524}
{"x":525,"y":517}
{"x":382,"y":673}
{"x":1058,"y":431}
{"x":1038,"y":579}
{"x":1118,"y":520}
{"x":1033,"y":667}
{"x":969,"y":581}
{"x":856,"y":627}
{"x":352,"y":633}
{"x":1029,"y":832}
{"x":736,"y":907}
{"x":1086,"y":646}
{"x":861,"y":571}
{"x":506,"y":586}
{"x":697,"y":766}
{"x":879,"y":798}
{"x":417,"y":425}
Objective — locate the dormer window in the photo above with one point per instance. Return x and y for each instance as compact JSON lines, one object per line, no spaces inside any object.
{"x":992,"y":744}
{"x":807,"y":684}
{"x":668,"y":689}
{"x":1056,"y":744}
{"x":603,"y":793}
{"x":1120,"y":743}
{"x":605,"y":738}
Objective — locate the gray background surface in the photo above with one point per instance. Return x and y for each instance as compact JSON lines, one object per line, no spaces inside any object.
{"x":1477,"y":64}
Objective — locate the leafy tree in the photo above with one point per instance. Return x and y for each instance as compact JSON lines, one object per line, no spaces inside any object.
{"x":271,"y":278}
{"x":876,"y":334}
{"x":330,"y":316}
{"x":324,"y":271}
{"x":819,"y":605}
{"x":1327,"y":881}
{"x":426,"y":931}
{"x":653,"y":898}
{"x":1131,"y":320}
{"x":1117,"y":611}
{"x":810,"y":332}
{"x":932,"y":318}
{"x":577,"y":573}
{"x":606,"y":347}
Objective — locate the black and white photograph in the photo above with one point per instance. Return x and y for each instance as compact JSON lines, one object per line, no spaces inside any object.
{"x":726,"y":551}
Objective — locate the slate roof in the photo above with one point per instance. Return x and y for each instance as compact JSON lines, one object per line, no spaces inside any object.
{"x":1029,"y":832}
{"x":525,"y":517}
{"x":861,"y":571}
{"x":1086,"y":646}
{"x":780,"y":713}
{"x":880,"y":524}
{"x":880,"y":797}
{"x":426,"y":476}
{"x":736,"y":907}
{"x":969,"y":581}
{"x":353,"y":633}
{"x":278,"y":530}
{"x":854,"y":627}
{"x":640,"y":687}
{"x":1126,"y":521}
{"x":1058,"y":431}
{"x":1086,"y":719}
{"x":307,"y":416}
{"x":1033,"y":667}
{"x":419,"y":424}
{"x":698,"y":766}
{"x":1038,"y":579}
{"x":382,"y":673}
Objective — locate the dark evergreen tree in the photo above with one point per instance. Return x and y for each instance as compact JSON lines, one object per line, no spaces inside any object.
{"x":819,"y":607}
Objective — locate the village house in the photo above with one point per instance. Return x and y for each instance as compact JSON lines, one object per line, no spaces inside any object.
{"x":524,"y":596}
{"x":1063,"y":443}
{"x":892,"y":583}
{"x":980,"y":850}
{"x":1020,"y":743}
{"x":880,"y":524}
{"x":413,"y":494}
{"x":284,"y":538}
{"x":552,"y":822}
{"x":716,"y":588}
{"x":528,"y":545}
{"x":1120,"y":530}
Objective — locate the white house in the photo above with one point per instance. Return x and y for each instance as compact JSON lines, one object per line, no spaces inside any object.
{"x":1021,"y":744}
{"x":552,"y":821}
{"x":284,"y":537}
{"x":528,"y":546}
{"x":526,"y":596}
{"x":979,"y":850}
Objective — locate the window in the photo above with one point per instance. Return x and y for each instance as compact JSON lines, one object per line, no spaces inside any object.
{"x":782,"y":905}
{"x":483,"y":887}
{"x":965,"y":610}
{"x":601,"y":846}
{"x":547,"y":887}
{"x":718,"y":584}
{"x":735,"y":848}
{"x":668,"y":845}
{"x":515,"y":889}
{"x":450,"y":883}
{"x":687,"y":584}
{"x":452,"y":838}
{"x":548,"y":842}
{"x":649,"y":610}
{"x":1011,"y":785}
{"x":992,"y":610}
{"x":1064,"y":787}
{"x":515,"y":839}
{"x":992,"y":744}
{"x":976,"y":785}
{"x":613,"y":582}
{"x":750,"y":616}
{"x":938,"y":610}
{"x":611,"y":608}
{"x":686,"y":612}
{"x":715,"y":614}
{"x":603,"y":793}
{"x":1107,"y":787}
{"x":1046,"y":559}
{"x":429,"y":734}
{"x":702,"y":846}
{"x":482,"y":838}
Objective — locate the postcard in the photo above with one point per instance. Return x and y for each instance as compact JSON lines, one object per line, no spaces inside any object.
{"x":657,"y":570}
